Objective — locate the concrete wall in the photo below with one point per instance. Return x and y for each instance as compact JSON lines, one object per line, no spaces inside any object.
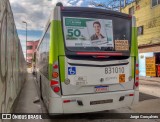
{"x":12,"y":62}
{"x":148,"y":17}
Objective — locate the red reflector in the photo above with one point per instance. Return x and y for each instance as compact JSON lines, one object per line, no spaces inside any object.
{"x":131,"y":94}
{"x":99,"y":53}
{"x":66,"y":101}
{"x":52,"y":83}
{"x":56,"y":89}
{"x":136,"y":84}
{"x":137,"y":65}
{"x":137,"y":78}
{"x":55,"y":66}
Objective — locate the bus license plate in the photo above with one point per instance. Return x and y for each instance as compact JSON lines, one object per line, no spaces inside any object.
{"x":101,"y":102}
{"x":101,"y":88}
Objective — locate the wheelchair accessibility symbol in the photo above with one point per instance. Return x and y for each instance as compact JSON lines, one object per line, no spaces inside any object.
{"x":71,"y":70}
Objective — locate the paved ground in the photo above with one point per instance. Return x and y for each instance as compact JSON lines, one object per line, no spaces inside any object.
{"x":149,"y":102}
{"x":150,"y":86}
{"x":157,"y":79}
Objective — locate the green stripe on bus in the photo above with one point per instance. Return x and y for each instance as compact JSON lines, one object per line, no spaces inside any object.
{"x":53,"y":47}
{"x":62,"y":68}
{"x":61,"y":48}
{"x":51,"y":51}
{"x":56,"y":48}
{"x":134,"y":50}
{"x":134,"y":43}
{"x":132,"y":66}
{"x":61,"y":51}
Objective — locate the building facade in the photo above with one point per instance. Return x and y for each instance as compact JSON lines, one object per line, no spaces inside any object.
{"x":147,"y":13}
{"x":31,"y":48}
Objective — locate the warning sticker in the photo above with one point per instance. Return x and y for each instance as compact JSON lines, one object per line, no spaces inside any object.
{"x":71,"y":70}
{"x":121,"y":45}
{"x":121,"y":78}
{"x":81,"y":80}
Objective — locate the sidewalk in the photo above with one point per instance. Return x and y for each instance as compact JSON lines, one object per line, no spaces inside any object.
{"x":25,"y":101}
{"x":150,"y":86}
{"x":147,"y":106}
{"x":156,"y":79}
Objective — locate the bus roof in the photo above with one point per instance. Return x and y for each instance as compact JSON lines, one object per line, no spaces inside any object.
{"x":89,"y":9}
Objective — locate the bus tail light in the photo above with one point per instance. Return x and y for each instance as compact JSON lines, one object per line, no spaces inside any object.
{"x":137,"y":72}
{"x":55,"y":66}
{"x":55,"y":75}
{"x":54,"y":83}
{"x":137,"y":78}
{"x":66,"y":101}
{"x":55,"y":71}
{"x":136,"y":84}
{"x":56,"y":89}
{"x":131,"y":94}
{"x":55,"y":86}
{"x":99,"y":53}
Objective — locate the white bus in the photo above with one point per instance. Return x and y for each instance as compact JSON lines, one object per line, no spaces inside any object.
{"x":87,"y":60}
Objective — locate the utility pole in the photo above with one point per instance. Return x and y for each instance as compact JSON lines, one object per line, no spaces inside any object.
{"x":120,"y":5}
{"x":124,"y":3}
{"x":26,"y":38}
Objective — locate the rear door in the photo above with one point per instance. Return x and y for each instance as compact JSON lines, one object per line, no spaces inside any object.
{"x":97,"y":53}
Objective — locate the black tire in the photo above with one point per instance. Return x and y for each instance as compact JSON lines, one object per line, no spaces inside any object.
{"x":40,"y":83}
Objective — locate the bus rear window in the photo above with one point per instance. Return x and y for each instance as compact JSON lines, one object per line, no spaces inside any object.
{"x":97,"y":34}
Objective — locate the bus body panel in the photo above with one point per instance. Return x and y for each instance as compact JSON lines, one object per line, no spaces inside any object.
{"x":91,"y":89}
{"x":113,"y":99}
{"x":136,"y":97}
{"x":88,"y":77}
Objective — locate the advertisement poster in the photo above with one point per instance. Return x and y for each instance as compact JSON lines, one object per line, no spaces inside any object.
{"x":88,"y":32}
{"x":142,"y":62}
{"x":150,"y":66}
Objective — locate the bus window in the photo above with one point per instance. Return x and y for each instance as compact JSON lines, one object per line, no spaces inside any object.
{"x":108,"y":33}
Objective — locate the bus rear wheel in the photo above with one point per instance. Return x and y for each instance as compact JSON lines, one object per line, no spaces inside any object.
{"x":40,"y":83}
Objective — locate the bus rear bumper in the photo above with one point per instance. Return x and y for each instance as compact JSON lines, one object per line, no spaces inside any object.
{"x":92,"y":102}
